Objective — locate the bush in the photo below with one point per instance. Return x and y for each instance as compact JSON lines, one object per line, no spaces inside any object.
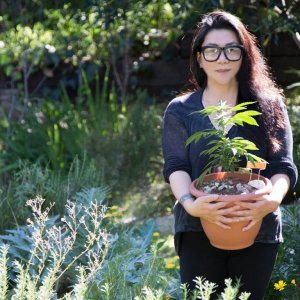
{"x":285,"y":283}
{"x":55,"y":186}
{"x":41,"y":254}
{"x":130,"y":156}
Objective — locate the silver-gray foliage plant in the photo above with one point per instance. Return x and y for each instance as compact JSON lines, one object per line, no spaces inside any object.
{"x":51,"y":249}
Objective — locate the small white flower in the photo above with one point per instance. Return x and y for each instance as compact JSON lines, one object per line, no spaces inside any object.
{"x":50,"y":48}
{"x":292,"y":251}
{"x":2,"y":44}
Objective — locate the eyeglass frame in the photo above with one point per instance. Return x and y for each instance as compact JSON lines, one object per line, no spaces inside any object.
{"x":241,"y":47}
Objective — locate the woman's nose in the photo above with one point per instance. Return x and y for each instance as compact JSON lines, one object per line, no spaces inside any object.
{"x":222,"y":56}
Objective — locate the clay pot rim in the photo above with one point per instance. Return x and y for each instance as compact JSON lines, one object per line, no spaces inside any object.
{"x":238,"y":197}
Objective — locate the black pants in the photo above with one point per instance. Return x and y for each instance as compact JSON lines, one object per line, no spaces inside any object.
{"x":253,"y":265}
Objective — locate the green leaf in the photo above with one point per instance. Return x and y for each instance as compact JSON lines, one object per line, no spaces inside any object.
{"x":252,"y":113}
{"x":211,"y":150}
{"x":203,"y":174}
{"x":236,"y":121}
{"x":254,"y":158}
{"x":4,"y":59}
{"x":245,"y":144}
{"x":241,"y":106}
{"x":195,"y":137}
{"x":200,"y":134}
{"x":243,"y":117}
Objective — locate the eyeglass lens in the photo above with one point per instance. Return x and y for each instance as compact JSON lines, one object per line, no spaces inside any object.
{"x":232,"y":53}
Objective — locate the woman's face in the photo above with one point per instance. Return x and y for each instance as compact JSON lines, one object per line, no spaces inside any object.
{"x":222,"y":71}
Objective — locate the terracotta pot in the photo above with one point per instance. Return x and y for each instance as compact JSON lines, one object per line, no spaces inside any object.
{"x":234,"y":238}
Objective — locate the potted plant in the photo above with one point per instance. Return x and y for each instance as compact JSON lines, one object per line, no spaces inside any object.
{"x":231,"y":182}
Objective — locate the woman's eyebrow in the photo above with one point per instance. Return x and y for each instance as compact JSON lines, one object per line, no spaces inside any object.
{"x":227,"y":44}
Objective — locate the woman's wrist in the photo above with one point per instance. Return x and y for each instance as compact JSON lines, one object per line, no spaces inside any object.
{"x":274,"y":201}
{"x":187,"y":201}
{"x":186,"y":197}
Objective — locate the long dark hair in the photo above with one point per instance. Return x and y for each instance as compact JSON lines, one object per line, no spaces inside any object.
{"x":254,"y":78}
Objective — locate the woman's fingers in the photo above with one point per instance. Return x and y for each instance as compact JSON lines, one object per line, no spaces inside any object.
{"x":224,"y":210}
{"x":220,"y":214}
{"x":249,"y":226}
{"x":208,"y":198}
{"x":224,"y":226}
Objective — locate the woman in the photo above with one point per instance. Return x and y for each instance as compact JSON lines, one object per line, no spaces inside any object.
{"x":227,"y":64}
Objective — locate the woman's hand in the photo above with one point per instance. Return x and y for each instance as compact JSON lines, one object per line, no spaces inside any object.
{"x":208,"y":208}
{"x":256,"y":210}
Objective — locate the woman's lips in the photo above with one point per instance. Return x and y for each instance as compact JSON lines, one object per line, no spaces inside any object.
{"x":223,"y":70}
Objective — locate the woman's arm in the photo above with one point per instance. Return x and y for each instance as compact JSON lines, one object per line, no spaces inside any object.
{"x":281,"y":162}
{"x":266,"y":204}
{"x":281,"y":185}
{"x":204,"y":207}
{"x":180,"y":183}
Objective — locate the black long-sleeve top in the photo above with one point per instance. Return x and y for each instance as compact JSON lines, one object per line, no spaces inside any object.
{"x":179,"y":124}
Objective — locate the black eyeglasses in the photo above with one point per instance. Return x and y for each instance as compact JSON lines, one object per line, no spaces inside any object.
{"x":213,"y":53}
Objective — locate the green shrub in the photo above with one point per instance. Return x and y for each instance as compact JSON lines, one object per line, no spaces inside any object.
{"x":132,"y":263}
{"x":55,"y":186}
{"x":130,"y":156}
{"x":52,"y":134}
{"x":40,"y":254}
{"x":287,"y":268}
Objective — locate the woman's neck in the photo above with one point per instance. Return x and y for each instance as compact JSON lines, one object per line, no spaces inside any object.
{"x":211,"y":96}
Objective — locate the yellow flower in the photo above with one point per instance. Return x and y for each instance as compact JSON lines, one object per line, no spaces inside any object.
{"x":117,"y":213}
{"x":114,"y":213}
{"x":114,"y":207}
{"x":280,"y":285}
{"x":108,"y":215}
{"x":170,"y":265}
{"x":293,"y":281}
{"x":156,"y":234}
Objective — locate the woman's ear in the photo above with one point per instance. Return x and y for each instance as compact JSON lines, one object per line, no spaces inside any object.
{"x":199,"y":59}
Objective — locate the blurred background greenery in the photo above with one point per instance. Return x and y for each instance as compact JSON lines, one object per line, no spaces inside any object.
{"x":83,"y":86}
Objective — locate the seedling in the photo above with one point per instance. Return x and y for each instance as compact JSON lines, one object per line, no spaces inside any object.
{"x":222,"y":150}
